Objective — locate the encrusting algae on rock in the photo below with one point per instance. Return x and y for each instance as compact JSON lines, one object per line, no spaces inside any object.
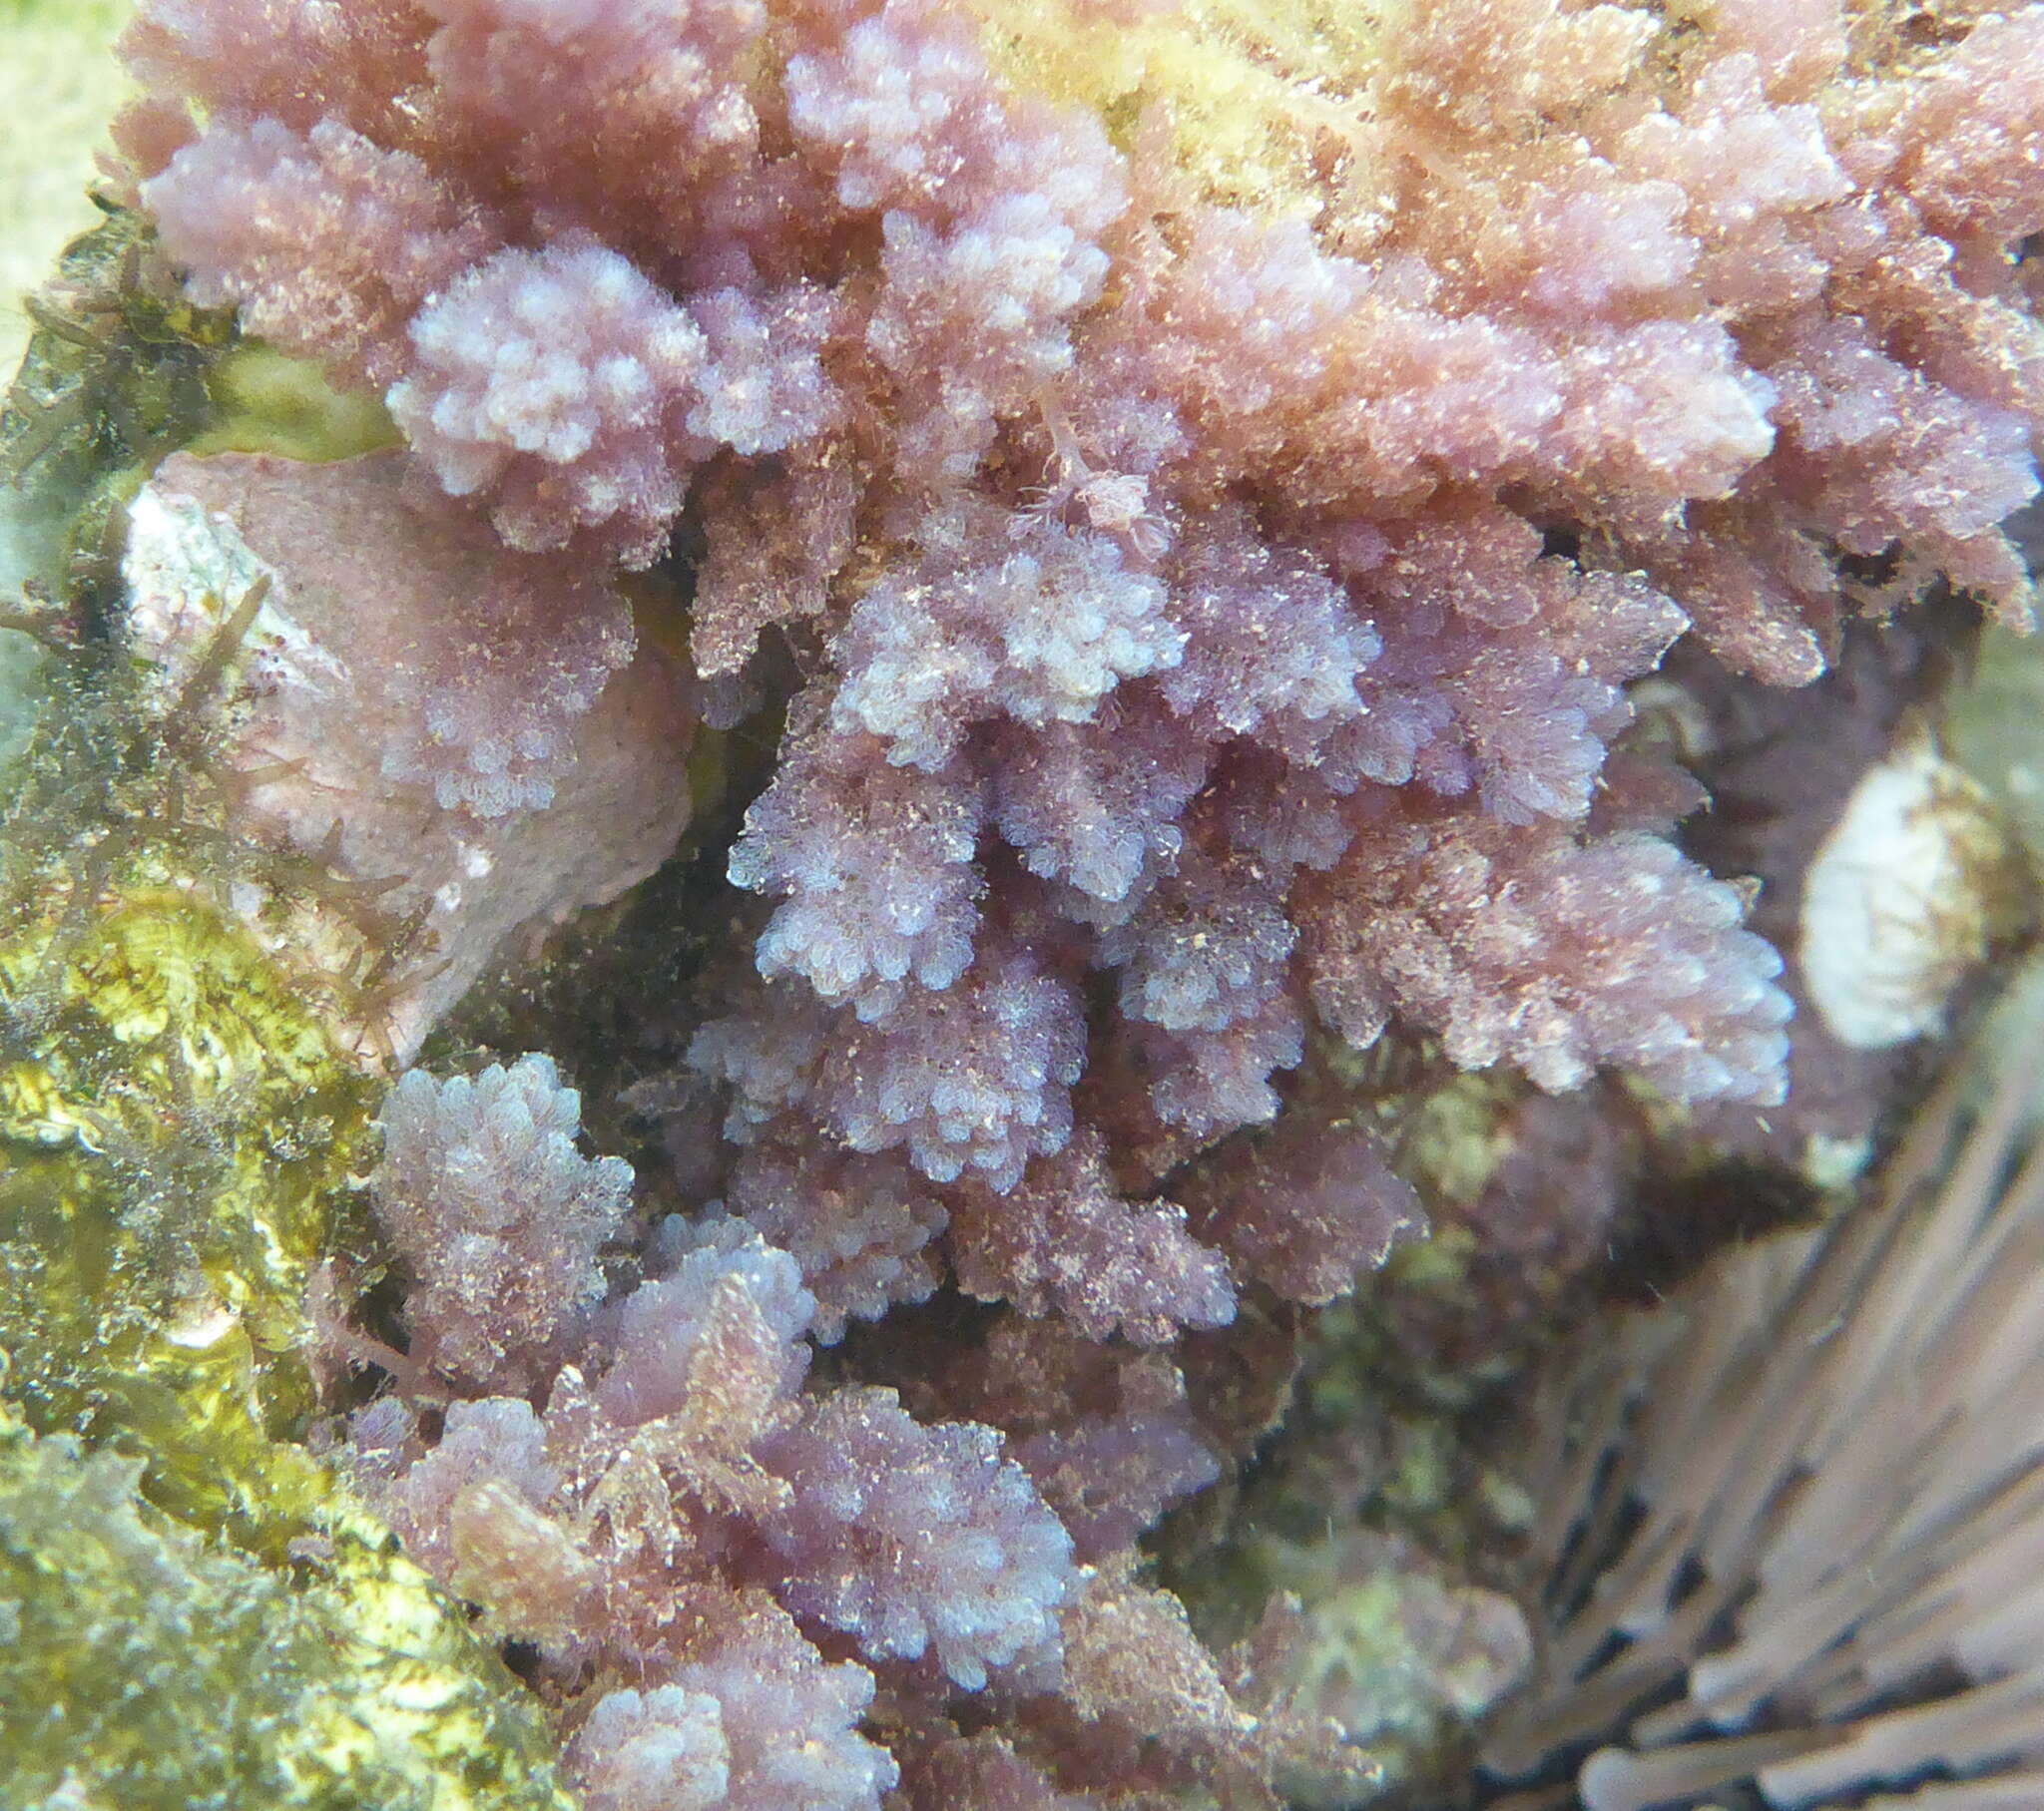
{"x":177,"y":1123}
{"x":1068,"y":658}
{"x":189,"y":1675}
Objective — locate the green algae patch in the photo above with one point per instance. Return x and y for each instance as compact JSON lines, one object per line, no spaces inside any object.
{"x":174,"y":1123}
{"x":194,"y":1611}
{"x":147,"y":1669}
{"x":117,"y":365}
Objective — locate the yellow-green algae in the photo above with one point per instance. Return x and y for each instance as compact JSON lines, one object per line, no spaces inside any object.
{"x":174,"y":1122}
{"x":1399,"y":1650}
{"x":200,"y":1613}
{"x":268,"y":402}
{"x":1243,"y":98}
{"x":144,"y":1668}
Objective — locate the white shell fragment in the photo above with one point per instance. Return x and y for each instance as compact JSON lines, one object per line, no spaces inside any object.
{"x":1902,"y":897}
{"x":186,"y":570}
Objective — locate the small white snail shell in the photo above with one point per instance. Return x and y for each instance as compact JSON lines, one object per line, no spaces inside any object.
{"x":1904,"y":896}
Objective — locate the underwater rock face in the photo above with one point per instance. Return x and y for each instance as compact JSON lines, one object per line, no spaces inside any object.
{"x":1132,"y":541}
{"x":417,"y":705}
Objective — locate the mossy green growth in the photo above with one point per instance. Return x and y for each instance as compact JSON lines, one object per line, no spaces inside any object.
{"x":197,"y":1612}
{"x":177,"y":1118}
{"x":175,"y":1122}
{"x":146,"y":1669}
{"x":114,"y":378}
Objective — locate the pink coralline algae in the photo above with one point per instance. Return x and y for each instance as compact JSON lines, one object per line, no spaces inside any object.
{"x":1173,"y":514}
{"x":1234,"y":599}
{"x":745,"y":1585}
{"x":873,"y":1548}
{"x":758,"y":1725}
{"x":649,"y":1488}
{"x":499,"y":1217}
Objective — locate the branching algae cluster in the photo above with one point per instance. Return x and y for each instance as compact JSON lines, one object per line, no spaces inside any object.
{"x":1216,"y":555}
